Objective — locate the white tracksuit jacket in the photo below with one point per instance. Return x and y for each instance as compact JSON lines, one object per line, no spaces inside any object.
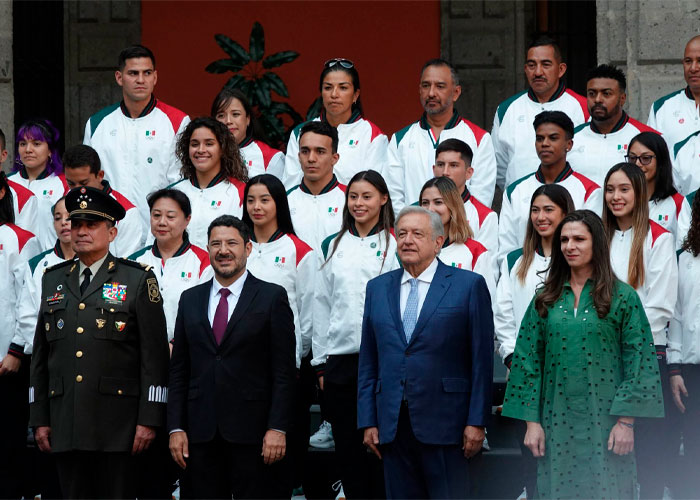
{"x":221,"y":197}
{"x":39,"y":263}
{"x":131,"y":234}
{"x":673,"y":214}
{"x":316,"y":217}
{"x":19,"y":298}
{"x":48,"y":189}
{"x":513,"y":297}
{"x":188,"y":267}
{"x":289,"y":262}
{"x":24,"y":203}
{"x":340,"y":291}
{"x":361,"y":146}
{"x":684,"y":333}
{"x":515,"y":209}
{"x":686,"y":164}
{"x":412,"y":156}
{"x":137,"y":154}
{"x":472,"y":256}
{"x":514,"y":136}
{"x":658,"y":293}
{"x":593,"y":153}
{"x":675,"y":115}
{"x":262,"y":159}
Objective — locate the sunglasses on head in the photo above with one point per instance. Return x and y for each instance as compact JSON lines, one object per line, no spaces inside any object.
{"x":345,"y":63}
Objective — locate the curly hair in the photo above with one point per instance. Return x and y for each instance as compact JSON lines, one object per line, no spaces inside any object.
{"x":691,"y":242}
{"x":232,"y":164}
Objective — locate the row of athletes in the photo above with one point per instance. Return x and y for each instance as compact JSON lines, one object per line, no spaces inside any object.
{"x":137,"y":139}
{"x":642,"y":254}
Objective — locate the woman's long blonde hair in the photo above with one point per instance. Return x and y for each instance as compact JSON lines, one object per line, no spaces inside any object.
{"x":458,"y":230}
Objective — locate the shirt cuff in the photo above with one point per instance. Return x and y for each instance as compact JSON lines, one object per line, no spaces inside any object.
{"x":176,"y":430}
{"x":277,"y":430}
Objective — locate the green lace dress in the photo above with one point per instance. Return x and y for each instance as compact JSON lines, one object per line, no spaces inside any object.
{"x":575,"y":374}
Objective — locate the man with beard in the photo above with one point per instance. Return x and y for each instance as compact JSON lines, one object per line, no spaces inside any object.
{"x":231,"y":374}
{"x":602,"y":142}
{"x":512,"y":133}
{"x":412,"y":149}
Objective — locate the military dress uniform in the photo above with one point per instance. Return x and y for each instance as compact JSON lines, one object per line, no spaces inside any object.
{"x":100,"y":362}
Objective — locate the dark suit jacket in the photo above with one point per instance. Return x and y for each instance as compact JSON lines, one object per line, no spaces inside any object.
{"x":244,"y":386}
{"x":446,"y":370}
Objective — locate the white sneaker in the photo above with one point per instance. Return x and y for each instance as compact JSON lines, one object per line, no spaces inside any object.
{"x":323,"y":438}
{"x":338,"y":486}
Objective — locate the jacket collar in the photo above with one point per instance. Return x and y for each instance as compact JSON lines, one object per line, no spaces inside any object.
{"x":149,"y":107}
{"x":24,"y":175}
{"x":181,"y":250}
{"x":466,"y":195}
{"x":328,"y":187}
{"x":564,"y":174}
{"x":556,"y":95}
{"x":354,"y":117}
{"x":275,"y":236}
{"x":353,"y":229}
{"x":450,"y":124}
{"x":618,"y":126}
{"x":220,"y":177}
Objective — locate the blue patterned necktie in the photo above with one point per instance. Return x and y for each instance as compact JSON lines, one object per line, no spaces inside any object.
{"x":410,"y":314}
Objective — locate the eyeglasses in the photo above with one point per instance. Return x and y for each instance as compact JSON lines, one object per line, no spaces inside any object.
{"x":644,"y":159}
{"x":345,"y":63}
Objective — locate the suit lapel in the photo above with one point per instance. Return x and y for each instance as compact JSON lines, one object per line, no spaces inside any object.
{"x":202,"y":304}
{"x":393,"y":292}
{"x":250,"y":289}
{"x":72,"y":281}
{"x":437,"y":290}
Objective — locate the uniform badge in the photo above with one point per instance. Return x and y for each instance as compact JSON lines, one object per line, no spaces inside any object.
{"x":47,"y":326}
{"x":373,"y":244}
{"x":60,"y":324}
{"x":55,"y":298}
{"x":110,"y":266}
{"x":59,"y":287}
{"x":119,"y":325}
{"x":114,"y":292}
{"x":83,"y":205}
{"x":71,"y":269}
{"x":100,"y":323}
{"x":153,"y":291}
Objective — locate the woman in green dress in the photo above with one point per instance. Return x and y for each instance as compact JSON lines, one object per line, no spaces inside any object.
{"x":584,"y":367}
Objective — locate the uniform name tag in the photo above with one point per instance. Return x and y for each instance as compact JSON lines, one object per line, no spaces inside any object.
{"x":55,"y":298}
{"x":114,"y":292}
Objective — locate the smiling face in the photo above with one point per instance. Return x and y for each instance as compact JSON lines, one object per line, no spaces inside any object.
{"x":168,"y":221}
{"x":545,"y":216}
{"x":365,"y":202}
{"x":619,"y":195}
{"x":205,"y":150}
{"x":33,"y":153}
{"x":543,"y":70}
{"x":338,"y":93}
{"x":605,"y":98}
{"x":228,"y":253}
{"x":137,"y":79}
{"x":450,"y":164}
{"x":639,"y":154}
{"x":261,"y":206}
{"x":577,"y":245}
{"x":432,"y":200}
{"x":61,"y":224}
{"x":437,"y":89}
{"x":551,"y":144}
{"x":234,"y":116}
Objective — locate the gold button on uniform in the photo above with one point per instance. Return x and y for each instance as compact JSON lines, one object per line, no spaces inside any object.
{"x":53,"y":392}
{"x":79,"y":378}
{"x":80,"y":329}
{"x":81,"y":306}
{"x":120,"y":392}
{"x":79,"y":354}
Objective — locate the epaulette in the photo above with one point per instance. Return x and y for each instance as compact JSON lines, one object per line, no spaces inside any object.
{"x":60,"y":265}
{"x":133,"y":263}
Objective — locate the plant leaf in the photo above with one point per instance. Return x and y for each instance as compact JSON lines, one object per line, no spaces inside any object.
{"x":260,"y":90}
{"x":237,"y":53}
{"x":280,"y":58}
{"x":275,"y":84}
{"x":222,"y":66}
{"x":280,"y":108}
{"x":257,"y":42}
{"x":234,"y":82}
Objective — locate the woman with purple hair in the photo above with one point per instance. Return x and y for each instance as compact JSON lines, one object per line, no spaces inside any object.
{"x":38,"y":167}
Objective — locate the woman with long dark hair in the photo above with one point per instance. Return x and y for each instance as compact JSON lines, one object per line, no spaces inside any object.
{"x":362,"y":145}
{"x":583,"y":369}
{"x":683,"y":355}
{"x":642,"y":254}
{"x":213,"y":172}
{"x":232,"y":108}
{"x":38,"y":167}
{"x":363,"y":249}
{"x":667,"y":207}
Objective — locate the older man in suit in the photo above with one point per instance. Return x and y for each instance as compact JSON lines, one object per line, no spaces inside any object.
{"x":231,"y":374}
{"x":426,"y":363}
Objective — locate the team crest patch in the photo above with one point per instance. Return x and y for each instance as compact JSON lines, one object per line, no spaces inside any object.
{"x":114,"y":292}
{"x":119,"y":325}
{"x":153,"y":291}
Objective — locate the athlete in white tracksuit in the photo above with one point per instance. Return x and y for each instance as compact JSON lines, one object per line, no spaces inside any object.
{"x":316,"y":217}
{"x":675,"y":115}
{"x":686,"y":164}
{"x":262,"y":159}
{"x":472,"y":256}
{"x":25,"y":204}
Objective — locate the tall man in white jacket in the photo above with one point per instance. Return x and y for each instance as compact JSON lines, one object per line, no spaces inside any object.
{"x":136,"y":137}
{"x":412,"y":149}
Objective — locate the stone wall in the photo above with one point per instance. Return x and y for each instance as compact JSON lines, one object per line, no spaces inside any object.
{"x":7,"y":100}
{"x":646,"y":38}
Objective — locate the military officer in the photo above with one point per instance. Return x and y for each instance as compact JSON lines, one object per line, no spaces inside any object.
{"x":98,"y":382}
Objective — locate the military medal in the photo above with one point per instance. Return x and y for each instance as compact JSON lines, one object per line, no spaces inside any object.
{"x":114,"y":292}
{"x":100,"y":323}
{"x":60,"y":324}
{"x":119,"y":325}
{"x":54,"y":299}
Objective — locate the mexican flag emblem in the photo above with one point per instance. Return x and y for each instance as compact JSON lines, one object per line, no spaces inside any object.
{"x":48,"y":192}
{"x":150,"y":133}
{"x":458,"y":265}
{"x":215,"y":203}
{"x":333,"y":210}
{"x":279,"y":259}
{"x":186,"y":275}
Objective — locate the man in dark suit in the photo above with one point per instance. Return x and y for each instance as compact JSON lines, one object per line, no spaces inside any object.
{"x":426,"y":366}
{"x":99,"y":370}
{"x":231,"y":374}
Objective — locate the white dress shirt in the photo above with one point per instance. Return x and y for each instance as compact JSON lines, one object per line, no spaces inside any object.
{"x":235,"y":288}
{"x":93,"y":269}
{"x":424,"y":280}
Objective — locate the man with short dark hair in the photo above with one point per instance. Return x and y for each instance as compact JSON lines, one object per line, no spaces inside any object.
{"x":412,"y":149}
{"x":24,"y":201}
{"x":554,"y":131}
{"x":676,"y":115}
{"x":99,"y":370}
{"x":82,"y":167}
{"x":232,"y":373}
{"x":602,"y":142}
{"x":512,"y":133}
{"x":135,"y":138}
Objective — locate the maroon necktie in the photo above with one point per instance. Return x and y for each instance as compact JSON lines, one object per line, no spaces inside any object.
{"x":221,"y":316}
